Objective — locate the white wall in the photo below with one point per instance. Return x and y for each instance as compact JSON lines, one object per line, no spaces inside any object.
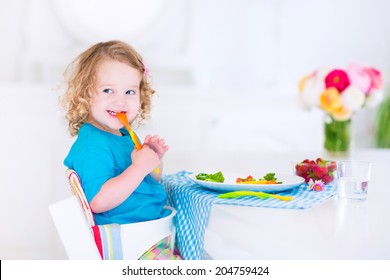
{"x":32,"y":146}
{"x":219,"y":44}
{"x":223,"y":70}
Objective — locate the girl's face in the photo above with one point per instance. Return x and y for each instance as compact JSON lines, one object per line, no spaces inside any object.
{"x":117,"y":90}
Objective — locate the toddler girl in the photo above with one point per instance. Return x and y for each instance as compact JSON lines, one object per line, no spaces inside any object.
{"x":119,"y":181}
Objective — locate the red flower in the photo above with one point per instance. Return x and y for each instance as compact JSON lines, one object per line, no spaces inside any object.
{"x":337,"y":79}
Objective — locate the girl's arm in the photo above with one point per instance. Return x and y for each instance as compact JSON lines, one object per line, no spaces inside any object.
{"x":117,"y":189}
{"x":157,"y":176}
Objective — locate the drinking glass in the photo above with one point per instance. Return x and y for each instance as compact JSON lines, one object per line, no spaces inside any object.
{"x":353,"y":179}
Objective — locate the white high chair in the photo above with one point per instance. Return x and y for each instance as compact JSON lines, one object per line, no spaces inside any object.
{"x":73,"y":219}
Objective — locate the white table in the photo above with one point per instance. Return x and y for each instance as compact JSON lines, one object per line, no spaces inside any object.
{"x":334,"y":229}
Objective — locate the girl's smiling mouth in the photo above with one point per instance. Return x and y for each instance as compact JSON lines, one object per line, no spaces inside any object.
{"x":113,"y":113}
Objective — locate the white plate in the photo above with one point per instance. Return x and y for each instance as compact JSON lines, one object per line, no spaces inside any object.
{"x":288,"y":182}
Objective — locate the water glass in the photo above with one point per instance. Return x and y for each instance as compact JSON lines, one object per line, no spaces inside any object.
{"x":353,"y":178}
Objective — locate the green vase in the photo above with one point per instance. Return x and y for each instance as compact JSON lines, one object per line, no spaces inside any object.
{"x":337,"y":135}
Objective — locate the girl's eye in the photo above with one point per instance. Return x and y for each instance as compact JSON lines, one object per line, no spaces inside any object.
{"x":108,"y":90}
{"x":130,"y":92}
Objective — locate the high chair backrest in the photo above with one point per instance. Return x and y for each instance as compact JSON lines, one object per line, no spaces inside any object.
{"x":73,"y":229}
{"x":74,"y":221}
{"x":77,"y":190}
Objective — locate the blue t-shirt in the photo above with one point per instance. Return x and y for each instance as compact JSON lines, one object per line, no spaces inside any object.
{"x":97,"y":156}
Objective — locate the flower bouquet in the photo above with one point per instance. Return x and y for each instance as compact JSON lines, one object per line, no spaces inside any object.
{"x":340,"y":93}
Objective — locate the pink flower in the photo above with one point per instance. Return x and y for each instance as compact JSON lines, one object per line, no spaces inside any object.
{"x":317,"y":186}
{"x":376,"y":78}
{"x":337,"y":79}
{"x":359,"y":77}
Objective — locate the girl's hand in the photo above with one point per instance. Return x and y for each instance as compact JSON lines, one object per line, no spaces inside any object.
{"x":146,"y":159}
{"x":157,"y":144}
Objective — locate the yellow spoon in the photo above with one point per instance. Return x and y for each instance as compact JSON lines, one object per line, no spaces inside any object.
{"x":123,"y":119}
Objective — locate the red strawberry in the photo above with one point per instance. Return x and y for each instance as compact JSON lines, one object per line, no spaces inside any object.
{"x":305,"y":161}
{"x":301,"y":168}
{"x":319,"y":172}
{"x":312,"y":163}
{"x":327,"y":178}
{"x":306,"y":177}
{"x":332,"y":166}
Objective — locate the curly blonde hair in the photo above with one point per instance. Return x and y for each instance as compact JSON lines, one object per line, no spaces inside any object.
{"x":80,"y":79}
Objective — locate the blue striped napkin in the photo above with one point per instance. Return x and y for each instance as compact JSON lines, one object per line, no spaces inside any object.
{"x":193,"y":204}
